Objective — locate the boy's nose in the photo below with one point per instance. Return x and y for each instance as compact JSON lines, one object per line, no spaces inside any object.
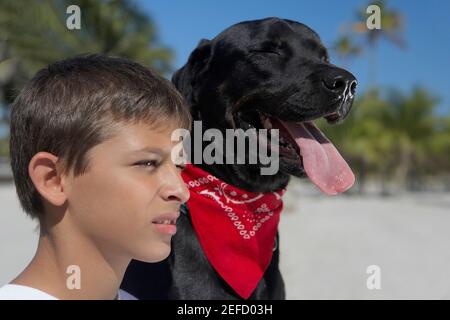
{"x":183,"y":194}
{"x":176,"y":188}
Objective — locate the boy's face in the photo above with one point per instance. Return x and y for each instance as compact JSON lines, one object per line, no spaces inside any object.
{"x":131,"y":185}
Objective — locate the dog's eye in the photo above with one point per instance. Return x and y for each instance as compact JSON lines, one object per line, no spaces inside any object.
{"x":325,"y":59}
{"x":264,"y":51}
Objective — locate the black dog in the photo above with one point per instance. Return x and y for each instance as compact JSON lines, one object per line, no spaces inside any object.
{"x":261,"y":74}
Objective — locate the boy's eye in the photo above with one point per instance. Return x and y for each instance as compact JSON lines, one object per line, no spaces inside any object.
{"x":147,"y":163}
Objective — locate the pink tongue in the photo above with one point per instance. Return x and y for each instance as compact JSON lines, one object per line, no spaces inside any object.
{"x":323,"y":164}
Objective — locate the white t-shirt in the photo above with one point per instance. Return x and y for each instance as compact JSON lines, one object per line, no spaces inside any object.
{"x":19,"y":292}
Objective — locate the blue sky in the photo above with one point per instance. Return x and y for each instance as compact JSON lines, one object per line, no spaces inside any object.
{"x":426,"y":61}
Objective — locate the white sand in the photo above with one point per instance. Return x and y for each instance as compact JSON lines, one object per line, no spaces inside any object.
{"x":326,"y":244}
{"x":18,"y":235}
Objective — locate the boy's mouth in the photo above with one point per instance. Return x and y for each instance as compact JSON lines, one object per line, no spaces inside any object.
{"x":167,"y":218}
{"x":166,"y":223}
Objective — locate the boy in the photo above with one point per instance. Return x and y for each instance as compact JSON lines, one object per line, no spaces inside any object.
{"x":91,"y":157}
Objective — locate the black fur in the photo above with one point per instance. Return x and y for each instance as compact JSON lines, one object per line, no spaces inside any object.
{"x":275,"y":66}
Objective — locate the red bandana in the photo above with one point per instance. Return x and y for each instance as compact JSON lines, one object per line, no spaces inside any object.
{"x":236,"y":228}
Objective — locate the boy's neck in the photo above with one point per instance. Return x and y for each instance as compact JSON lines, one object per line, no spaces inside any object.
{"x":66,"y":257}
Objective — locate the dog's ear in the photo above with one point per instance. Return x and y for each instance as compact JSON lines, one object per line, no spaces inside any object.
{"x":186,"y":78}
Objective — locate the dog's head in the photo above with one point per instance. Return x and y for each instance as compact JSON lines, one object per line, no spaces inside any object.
{"x":270,"y":73}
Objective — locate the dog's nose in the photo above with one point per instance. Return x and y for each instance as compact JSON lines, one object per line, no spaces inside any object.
{"x":341,"y":82}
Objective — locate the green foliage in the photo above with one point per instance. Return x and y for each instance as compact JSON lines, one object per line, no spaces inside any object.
{"x":393,"y":135}
{"x":397,"y":136}
{"x":35,"y":32}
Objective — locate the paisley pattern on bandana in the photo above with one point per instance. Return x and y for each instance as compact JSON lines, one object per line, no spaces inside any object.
{"x":236,"y":228}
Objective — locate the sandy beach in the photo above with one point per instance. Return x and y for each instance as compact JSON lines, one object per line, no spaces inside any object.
{"x":327,"y":243}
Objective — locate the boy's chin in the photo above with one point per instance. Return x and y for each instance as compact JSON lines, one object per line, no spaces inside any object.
{"x":155,"y":253}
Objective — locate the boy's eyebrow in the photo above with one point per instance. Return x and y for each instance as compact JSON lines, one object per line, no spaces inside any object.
{"x":151,"y":150}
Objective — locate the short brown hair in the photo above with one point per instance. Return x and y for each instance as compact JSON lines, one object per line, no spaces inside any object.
{"x":68,"y":107}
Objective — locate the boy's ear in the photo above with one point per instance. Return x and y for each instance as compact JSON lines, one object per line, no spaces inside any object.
{"x":46,"y":175}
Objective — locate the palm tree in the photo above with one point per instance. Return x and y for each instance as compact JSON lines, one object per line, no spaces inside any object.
{"x":397,"y":138}
{"x":392,"y":24}
{"x":346,"y":49}
{"x":438,"y":151}
{"x":34,"y":34}
{"x":363,"y":139}
{"x":413,"y":122}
